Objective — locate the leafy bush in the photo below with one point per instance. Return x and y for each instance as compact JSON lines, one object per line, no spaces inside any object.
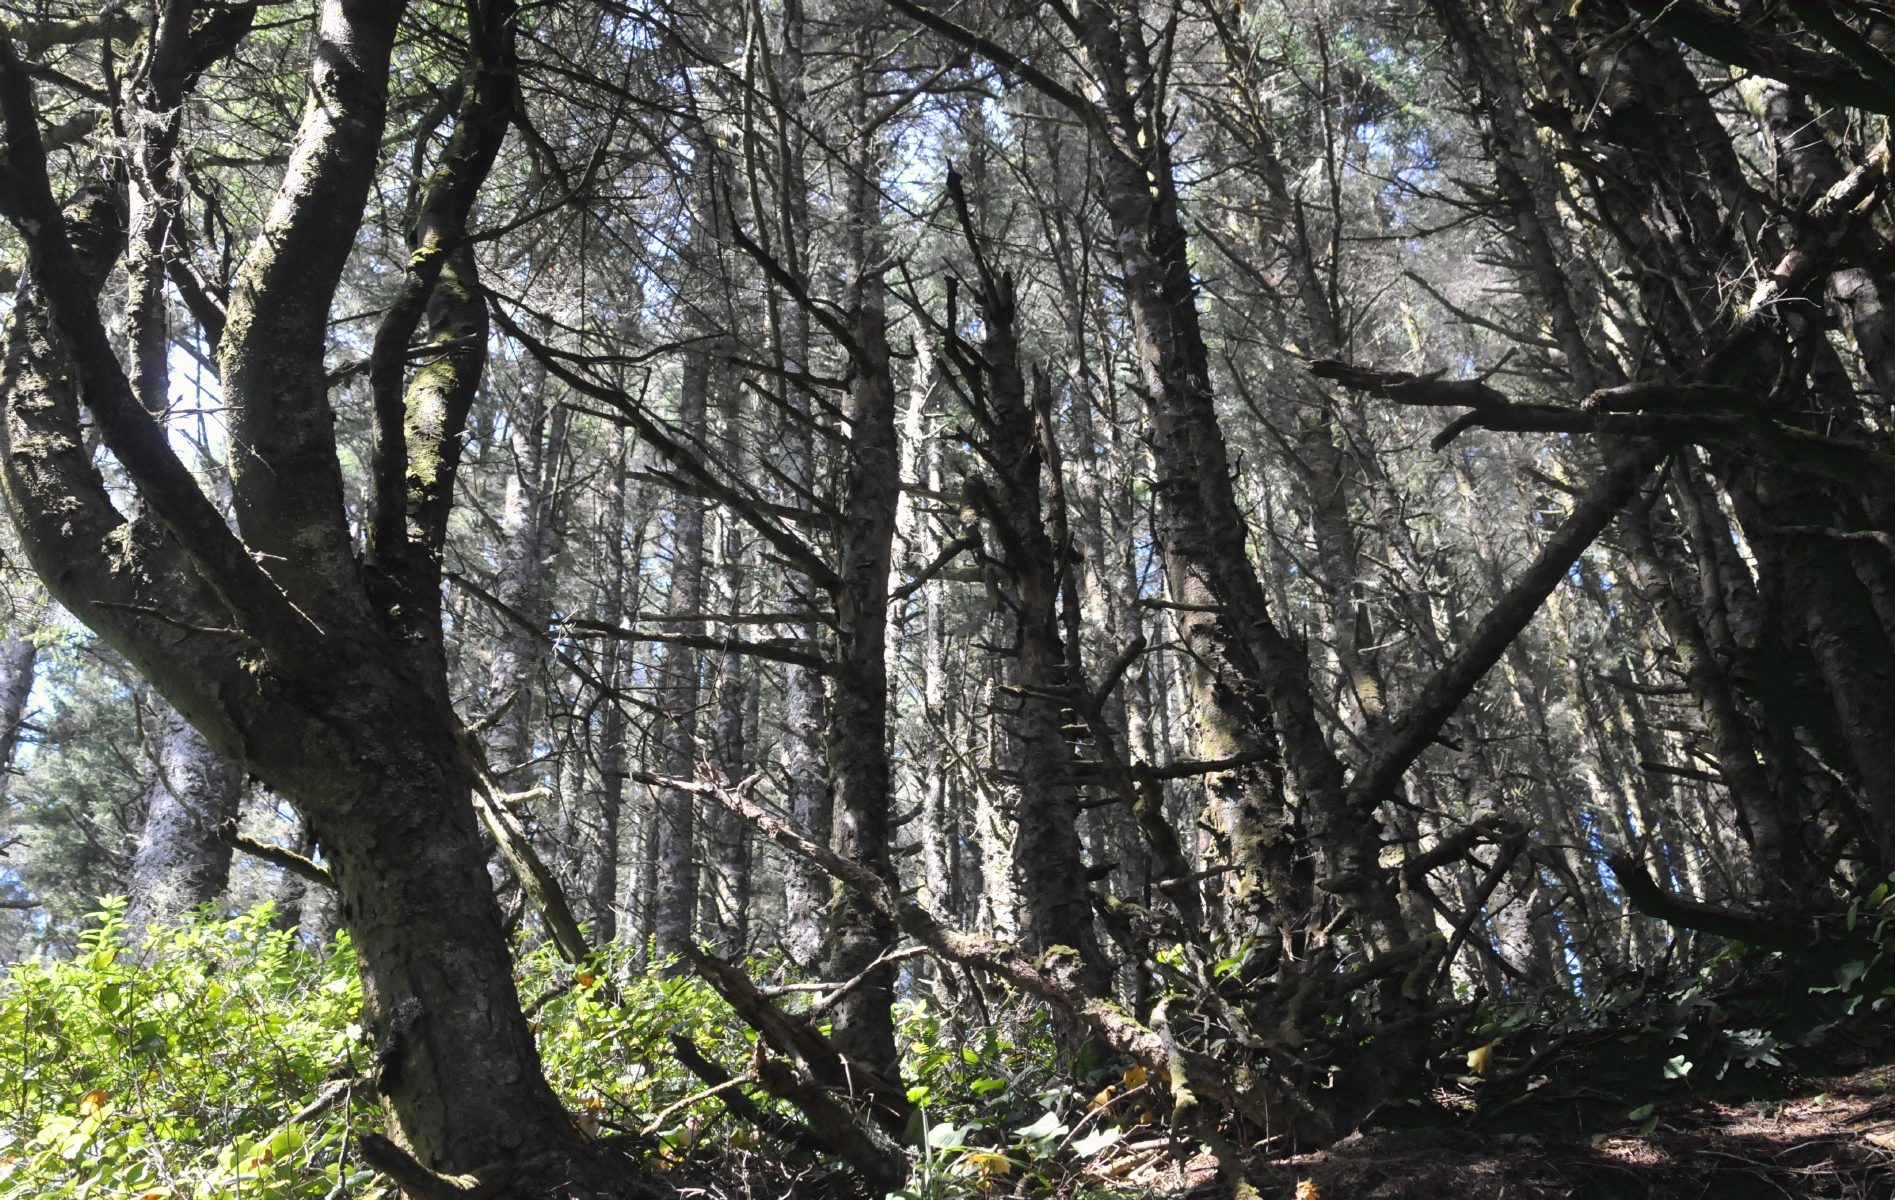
{"x":188,"y":1066}
{"x":171,"y":1068}
{"x":174,"y":1068}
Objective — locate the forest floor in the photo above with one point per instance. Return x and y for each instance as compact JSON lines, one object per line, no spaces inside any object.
{"x":1836,"y":1139}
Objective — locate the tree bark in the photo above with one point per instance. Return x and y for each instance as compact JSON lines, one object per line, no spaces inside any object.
{"x":857,"y":737}
{"x":681,"y":675}
{"x":1013,"y":437}
{"x":292,"y":890}
{"x":17,"y":659}
{"x":737,"y":690}
{"x":613,"y":768}
{"x":521,"y":581}
{"x":192,"y":790}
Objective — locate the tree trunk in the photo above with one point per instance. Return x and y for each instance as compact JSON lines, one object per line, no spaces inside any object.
{"x":679,"y":681}
{"x":921,"y":447}
{"x":857,"y":738}
{"x":17,"y":657}
{"x":1015,"y":440}
{"x":181,"y":862}
{"x":292,"y":889}
{"x":806,"y":887}
{"x":609,"y":799}
{"x":521,"y":579}
{"x":729,"y":834}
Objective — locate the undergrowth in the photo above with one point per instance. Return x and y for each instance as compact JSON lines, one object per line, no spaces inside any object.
{"x":223,"y":1059}
{"x":187,"y":1065}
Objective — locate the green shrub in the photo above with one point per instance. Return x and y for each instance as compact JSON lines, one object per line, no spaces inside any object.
{"x":173,"y":1068}
{"x":176,"y":1068}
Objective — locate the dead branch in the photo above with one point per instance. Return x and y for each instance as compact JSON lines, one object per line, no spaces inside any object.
{"x":287,"y":859}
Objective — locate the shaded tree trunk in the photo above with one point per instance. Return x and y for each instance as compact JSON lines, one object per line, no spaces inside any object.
{"x":609,"y":798}
{"x":857,"y":738}
{"x":17,"y":659}
{"x":181,"y":862}
{"x":292,"y":890}
{"x":1014,"y":439}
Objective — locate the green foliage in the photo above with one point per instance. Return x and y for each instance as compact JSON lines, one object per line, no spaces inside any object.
{"x":173,"y":1068}
{"x":1003,"y":1108}
{"x":1745,"y":1024}
{"x":605,"y":1043}
{"x":78,"y":804}
{"x":170,"y":1069}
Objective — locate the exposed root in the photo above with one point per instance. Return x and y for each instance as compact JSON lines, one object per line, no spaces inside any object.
{"x":422,"y":1184}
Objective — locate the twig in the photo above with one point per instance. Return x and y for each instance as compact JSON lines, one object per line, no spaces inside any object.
{"x":827,"y":1002}
{"x":658,"y":1122}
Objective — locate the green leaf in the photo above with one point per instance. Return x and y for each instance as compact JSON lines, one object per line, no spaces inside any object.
{"x":1676,"y":1067}
{"x":1641,"y":1112}
{"x":1848,"y":973}
{"x":1048,"y":1126}
{"x":945,"y":1136}
{"x":1095,"y":1141}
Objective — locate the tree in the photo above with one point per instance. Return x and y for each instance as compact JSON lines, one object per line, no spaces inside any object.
{"x":321,"y":671}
